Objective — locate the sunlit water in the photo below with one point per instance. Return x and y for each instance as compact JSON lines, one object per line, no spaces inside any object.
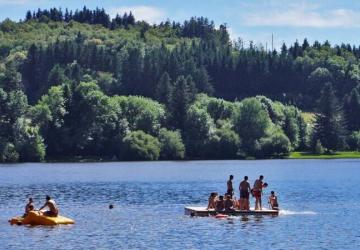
{"x":320,"y":201}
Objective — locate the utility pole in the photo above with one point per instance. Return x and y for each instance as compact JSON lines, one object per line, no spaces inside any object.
{"x":272,"y":42}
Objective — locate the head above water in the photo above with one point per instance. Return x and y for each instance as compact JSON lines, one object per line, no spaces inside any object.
{"x":261,"y":177}
{"x":272,"y":192}
{"x":221,"y":197}
{"x":48,"y":197}
{"x":30,"y":199}
{"x":246,"y":178}
{"x":265,"y":185}
{"x":231,"y":177}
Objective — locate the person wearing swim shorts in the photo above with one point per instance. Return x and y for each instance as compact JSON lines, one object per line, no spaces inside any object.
{"x":257,"y":192}
{"x":230,"y":189}
{"x":244,"y":188}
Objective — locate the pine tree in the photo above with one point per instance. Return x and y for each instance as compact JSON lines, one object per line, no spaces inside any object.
{"x":352,"y":110}
{"x":329,"y":126}
{"x":180,"y":101}
{"x":164,"y":89}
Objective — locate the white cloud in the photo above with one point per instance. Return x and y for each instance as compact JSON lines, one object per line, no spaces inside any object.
{"x":141,"y":12}
{"x":303,"y":15}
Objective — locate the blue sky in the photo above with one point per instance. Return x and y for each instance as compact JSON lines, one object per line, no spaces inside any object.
{"x":252,"y":20}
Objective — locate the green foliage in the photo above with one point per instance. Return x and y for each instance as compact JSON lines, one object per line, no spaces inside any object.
{"x":180,"y":101}
{"x":8,"y":153}
{"x":319,"y":149}
{"x":354,"y":141}
{"x":251,"y":122}
{"x":223,"y":144}
{"x":142,"y":113}
{"x":329,"y":127}
{"x":277,"y":144}
{"x":77,"y":70}
{"x":140,"y":146}
{"x":28,"y":141}
{"x":198,"y":128}
{"x":172,"y":146}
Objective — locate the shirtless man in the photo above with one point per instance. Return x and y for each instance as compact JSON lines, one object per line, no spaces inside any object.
{"x":257,"y":192}
{"x":245,"y":189}
{"x":53,"y":210}
{"x":230,"y":189}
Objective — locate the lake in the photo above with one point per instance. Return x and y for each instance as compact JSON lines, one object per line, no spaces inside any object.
{"x":319,"y":200}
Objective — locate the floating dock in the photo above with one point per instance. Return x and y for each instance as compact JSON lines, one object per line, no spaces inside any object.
{"x":203,"y":212}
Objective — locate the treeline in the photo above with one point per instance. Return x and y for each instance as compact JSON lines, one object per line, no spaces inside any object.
{"x":50,"y":57}
{"x":81,"y":121}
{"x":195,"y":27}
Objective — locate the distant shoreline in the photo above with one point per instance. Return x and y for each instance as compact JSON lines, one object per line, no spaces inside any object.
{"x":293,"y":155}
{"x":336,"y":155}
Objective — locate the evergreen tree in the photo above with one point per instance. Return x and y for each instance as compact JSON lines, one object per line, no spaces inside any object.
{"x":180,"y":100}
{"x":352,"y":110}
{"x":329,"y":127}
{"x":164,"y":89}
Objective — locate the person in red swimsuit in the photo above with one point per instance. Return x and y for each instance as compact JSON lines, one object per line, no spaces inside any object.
{"x":257,"y":192}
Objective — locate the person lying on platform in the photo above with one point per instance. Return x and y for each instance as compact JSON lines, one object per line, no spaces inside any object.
{"x":229,"y":204}
{"x":273,"y":201}
{"x":220,"y":204}
{"x":29,"y":207}
{"x":212,"y":201}
{"x":53,"y":210}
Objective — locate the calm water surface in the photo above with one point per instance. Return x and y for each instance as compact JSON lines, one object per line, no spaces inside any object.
{"x":320,"y":201}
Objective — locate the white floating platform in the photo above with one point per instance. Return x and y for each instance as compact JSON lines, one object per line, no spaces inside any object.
{"x":202,"y":211}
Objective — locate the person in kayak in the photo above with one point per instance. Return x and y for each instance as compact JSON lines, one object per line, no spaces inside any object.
{"x":244,"y":189}
{"x":53,"y":210}
{"x":273,"y":201}
{"x":29,"y":207}
{"x":212,"y":201}
{"x":257,"y":192}
{"x":220,"y":204}
{"x":230,"y":189}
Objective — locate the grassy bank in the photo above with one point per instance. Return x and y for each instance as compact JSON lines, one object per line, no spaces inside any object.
{"x":337,"y":155}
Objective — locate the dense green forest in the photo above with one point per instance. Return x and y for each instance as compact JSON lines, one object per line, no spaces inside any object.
{"x":82,"y":85}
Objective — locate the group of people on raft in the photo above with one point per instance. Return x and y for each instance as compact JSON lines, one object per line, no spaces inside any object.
{"x":49,"y":203}
{"x":228,"y":202}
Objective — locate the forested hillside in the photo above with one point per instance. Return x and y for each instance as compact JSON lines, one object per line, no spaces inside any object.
{"x":80,"y":84}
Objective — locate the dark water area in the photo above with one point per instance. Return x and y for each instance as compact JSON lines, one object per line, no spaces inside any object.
{"x":319,"y":199}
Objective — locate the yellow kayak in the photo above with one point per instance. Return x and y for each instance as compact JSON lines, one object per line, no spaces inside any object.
{"x":34,"y":218}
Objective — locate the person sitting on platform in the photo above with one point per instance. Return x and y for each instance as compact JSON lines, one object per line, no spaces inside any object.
{"x":273,"y":201}
{"x":53,"y":210}
{"x":212,"y":201}
{"x":229,"y":204}
{"x":220,"y":204}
